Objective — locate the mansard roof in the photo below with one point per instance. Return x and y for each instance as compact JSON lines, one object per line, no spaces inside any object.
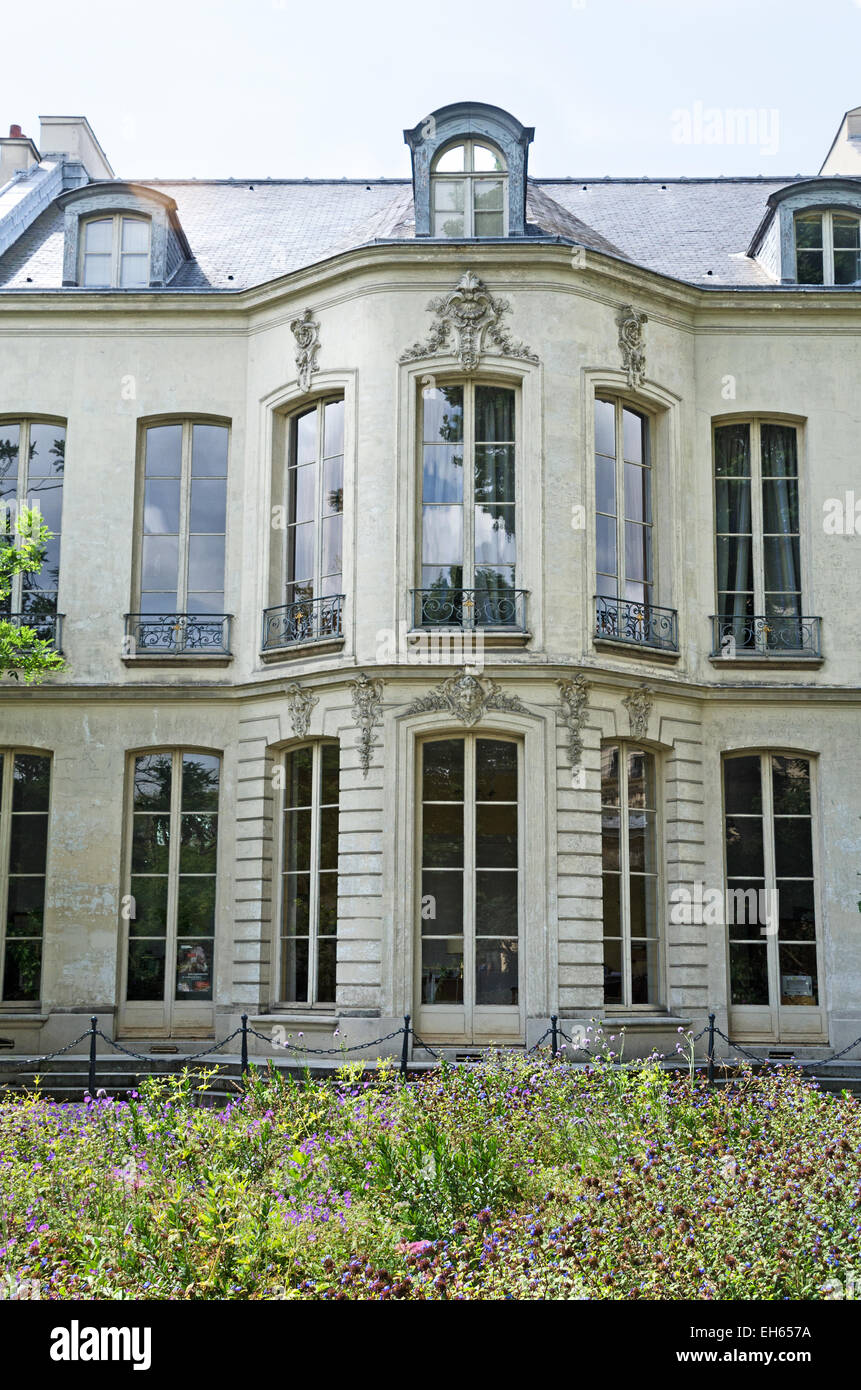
{"x":246,"y":232}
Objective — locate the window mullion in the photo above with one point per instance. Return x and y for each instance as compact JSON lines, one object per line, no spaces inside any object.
{"x":469,"y":487}
{"x":314,"y":886}
{"x":170,"y":945}
{"x":756,"y":518}
{"x":6,"y":782}
{"x":117,"y":251}
{"x":318,"y":502}
{"x":184,"y":514}
{"x":828,"y":249}
{"x":624,"y":877}
{"x":769,"y":861}
{"x":621,"y":586}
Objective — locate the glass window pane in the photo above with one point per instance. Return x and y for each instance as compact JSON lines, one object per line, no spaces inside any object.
{"x":449,"y":195}
{"x":796,"y":909}
{"x":641,"y":842}
{"x":328,"y":919}
{"x":206,"y":563}
{"x":847,"y":267}
{"x":808,"y":229}
{"x":300,"y":551}
{"x":301,"y":483}
{"x":846,"y":231}
{"x":782,"y":564}
{"x":208,"y":505}
{"x":793,"y":847}
{"x":443,"y":770}
{"x":25,"y":906}
{"x":150,"y":844}
{"x":809,"y":267}
{"x":744,"y":847}
{"x":442,"y":902}
{"x":612,"y":971}
{"x":732,"y":451}
{"x":146,"y":970}
{"x":791,"y":785}
{"x":305,"y":437}
{"x":31,"y":778}
{"x":208,"y":451}
{"x":748,"y":968}
{"x":134,"y":272}
{"x":442,"y":473}
{"x":742,"y":786}
{"x":641,"y":780}
{"x":442,"y":836}
{"x":442,"y":412}
{"x":333,"y":429}
{"x":330,"y":759}
{"x":200,"y":775}
{"x":495,"y":542}
{"x":442,"y":971}
{"x":198,"y":838}
{"x":633,"y":432}
{"x":164,"y":451}
{"x":297,"y":905}
{"x":333,"y":486}
{"x":494,"y":473}
{"x":47,"y":452}
{"x":645,"y":987}
{"x":734,"y":564}
{"x":195,"y":906}
{"x":798,"y":975}
{"x":487,"y":196}
{"x":161,"y":506}
{"x":605,"y":428}
{"x":496,"y":979}
{"x":448,"y":224}
{"x":495,"y":836}
{"x":10,"y":438}
{"x":329,"y":838}
{"x":638,"y":488}
{"x":643,"y":894}
{"x":28,"y":843}
{"x":326,"y":957}
{"x":442,"y":535}
{"x":606,"y":544}
{"x":150,"y":906}
{"x":331,"y":560}
{"x":610,"y":776}
{"x":605,"y":484}
{"x":495,"y":903}
{"x":152,"y":782}
{"x":485,"y":158}
{"x":194,"y":969}
{"x":611,"y":911}
{"x":297,"y":841}
{"x":298,"y":779}
{"x":294,"y":969}
{"x":780,"y":505}
{"x":495,"y":770}
{"x":99,"y":235}
{"x":779,"y":451}
{"x":451,"y":161}
{"x":135,"y":234}
{"x":638,"y":552}
{"x":97,"y":271}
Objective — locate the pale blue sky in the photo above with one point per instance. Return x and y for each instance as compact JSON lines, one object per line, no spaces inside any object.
{"x":277,"y":88}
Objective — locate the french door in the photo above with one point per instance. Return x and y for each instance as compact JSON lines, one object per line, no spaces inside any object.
{"x":169,"y":908}
{"x":469,"y":899}
{"x":774,"y":945}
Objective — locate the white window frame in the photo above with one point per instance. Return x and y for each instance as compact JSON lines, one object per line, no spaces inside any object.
{"x":319,"y":407}
{"x":312,"y":1002}
{"x":626,"y":746}
{"x":757,"y":516}
{"x":9,"y":756}
{"x":116,"y":219}
{"x":827,"y":215}
{"x":621,"y":404}
{"x":187,"y":422}
{"x":469,"y":177}
{"x":22,"y":499}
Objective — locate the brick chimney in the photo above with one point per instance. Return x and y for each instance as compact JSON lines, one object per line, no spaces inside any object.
{"x":17,"y":151}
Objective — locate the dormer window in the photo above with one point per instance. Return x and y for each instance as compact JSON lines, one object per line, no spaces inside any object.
{"x":469,"y":182}
{"x":827,"y":248}
{"x":116,"y":253}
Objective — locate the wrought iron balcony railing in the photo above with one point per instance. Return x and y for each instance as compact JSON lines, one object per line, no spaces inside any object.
{"x":470,"y":608}
{"x":48,"y":627}
{"x":766,"y":636}
{"x":178,"y":634}
{"x":643,"y":624}
{"x":309,"y":620}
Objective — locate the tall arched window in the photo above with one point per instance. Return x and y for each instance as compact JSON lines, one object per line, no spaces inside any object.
{"x":470,"y":191}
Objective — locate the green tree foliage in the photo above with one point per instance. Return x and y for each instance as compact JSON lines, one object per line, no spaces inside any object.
{"x":23,"y":653}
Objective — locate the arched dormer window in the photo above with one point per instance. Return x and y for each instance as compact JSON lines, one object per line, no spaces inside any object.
{"x":121,"y":236}
{"x":469,"y":191}
{"x":115,"y":252}
{"x":469,"y":172}
{"x":827,"y":247}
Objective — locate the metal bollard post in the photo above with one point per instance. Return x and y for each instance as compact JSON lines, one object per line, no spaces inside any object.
{"x":243,"y":1064}
{"x":554,"y":1040}
{"x":711,"y":1049}
{"x":405,"y":1050}
{"x":93,"y":1025}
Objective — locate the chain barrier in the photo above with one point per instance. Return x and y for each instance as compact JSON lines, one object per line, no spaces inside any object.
{"x":322,"y":1051}
{"x":48,"y":1057}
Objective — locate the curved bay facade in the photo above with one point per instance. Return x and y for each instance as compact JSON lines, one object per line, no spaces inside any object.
{"x":458,"y":611}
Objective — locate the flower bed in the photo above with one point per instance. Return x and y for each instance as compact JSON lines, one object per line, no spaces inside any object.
{"x":516,"y":1177}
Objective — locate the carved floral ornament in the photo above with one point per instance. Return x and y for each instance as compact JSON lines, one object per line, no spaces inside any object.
{"x":639,"y":707}
{"x":306,"y":331}
{"x":574,"y":702}
{"x":367,"y":704}
{"x":467,"y":698}
{"x":300,"y":703}
{"x":469,"y":323}
{"x":632,"y":343}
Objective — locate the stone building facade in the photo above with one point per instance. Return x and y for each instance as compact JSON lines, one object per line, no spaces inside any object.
{"x":457,"y":593}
